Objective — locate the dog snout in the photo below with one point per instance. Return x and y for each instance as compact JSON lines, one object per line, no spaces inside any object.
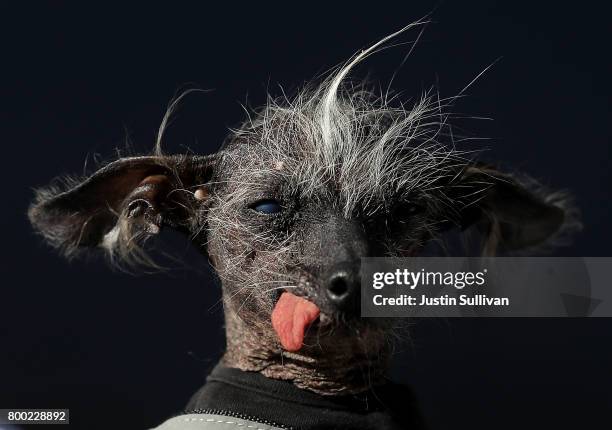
{"x":342,"y":287}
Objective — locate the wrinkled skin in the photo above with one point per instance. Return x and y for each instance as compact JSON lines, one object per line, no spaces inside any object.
{"x":299,"y":250}
{"x":299,"y":193}
{"x":383,"y":189}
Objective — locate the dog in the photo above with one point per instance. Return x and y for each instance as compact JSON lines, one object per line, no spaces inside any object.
{"x":284,"y":211}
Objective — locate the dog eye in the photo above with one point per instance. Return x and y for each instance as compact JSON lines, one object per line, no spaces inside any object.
{"x":267,"y":206}
{"x":407,"y":209}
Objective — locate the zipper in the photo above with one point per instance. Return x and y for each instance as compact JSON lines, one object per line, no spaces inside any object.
{"x":233,"y":414}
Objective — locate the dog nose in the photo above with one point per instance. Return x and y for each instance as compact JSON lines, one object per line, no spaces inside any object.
{"x":342,"y":287}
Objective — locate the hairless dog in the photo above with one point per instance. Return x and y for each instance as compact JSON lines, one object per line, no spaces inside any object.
{"x":285,"y":210}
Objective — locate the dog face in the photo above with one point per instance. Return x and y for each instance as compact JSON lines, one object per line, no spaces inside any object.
{"x":286,"y":210}
{"x":298,"y":195}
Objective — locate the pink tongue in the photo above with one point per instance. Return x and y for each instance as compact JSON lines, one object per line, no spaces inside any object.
{"x":290,"y":317}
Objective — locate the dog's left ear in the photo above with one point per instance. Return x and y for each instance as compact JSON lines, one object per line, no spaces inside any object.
{"x":123,"y":202}
{"x":510,"y":214}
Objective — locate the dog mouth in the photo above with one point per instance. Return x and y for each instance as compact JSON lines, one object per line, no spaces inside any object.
{"x":291,"y":317}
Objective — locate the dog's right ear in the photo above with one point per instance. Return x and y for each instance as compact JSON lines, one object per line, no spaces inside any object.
{"x":123,"y":203}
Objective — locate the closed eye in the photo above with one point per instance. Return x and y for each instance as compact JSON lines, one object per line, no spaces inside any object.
{"x":267,"y":206}
{"x":407,"y":209}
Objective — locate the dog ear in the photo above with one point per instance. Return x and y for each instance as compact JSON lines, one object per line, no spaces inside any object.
{"x":511,"y":214}
{"x":123,"y":202}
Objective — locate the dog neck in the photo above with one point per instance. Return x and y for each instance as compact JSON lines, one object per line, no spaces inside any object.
{"x":341,"y":363}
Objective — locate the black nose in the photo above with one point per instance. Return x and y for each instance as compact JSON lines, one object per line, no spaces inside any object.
{"x":343,"y":285}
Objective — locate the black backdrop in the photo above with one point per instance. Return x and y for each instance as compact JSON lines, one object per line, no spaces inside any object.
{"x":81,"y":80}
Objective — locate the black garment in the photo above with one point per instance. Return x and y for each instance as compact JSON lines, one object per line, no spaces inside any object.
{"x":387,"y":407}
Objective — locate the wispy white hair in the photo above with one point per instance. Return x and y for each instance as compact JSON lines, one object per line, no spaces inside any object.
{"x":361,"y":146}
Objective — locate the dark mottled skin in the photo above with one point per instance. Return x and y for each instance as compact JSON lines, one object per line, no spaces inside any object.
{"x":302,"y":245}
{"x":258,"y":255}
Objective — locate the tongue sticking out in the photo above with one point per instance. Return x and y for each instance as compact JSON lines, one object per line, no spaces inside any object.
{"x":290,"y":318}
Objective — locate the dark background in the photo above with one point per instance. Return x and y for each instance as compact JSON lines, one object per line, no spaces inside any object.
{"x":110,"y":346}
